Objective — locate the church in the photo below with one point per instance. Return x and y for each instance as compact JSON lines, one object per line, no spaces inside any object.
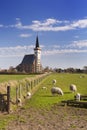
{"x":31,"y":63}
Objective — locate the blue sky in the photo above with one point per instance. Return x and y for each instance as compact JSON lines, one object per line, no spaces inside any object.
{"x":61,"y":26}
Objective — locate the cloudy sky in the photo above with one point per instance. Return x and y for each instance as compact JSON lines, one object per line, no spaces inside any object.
{"x":61,"y":26}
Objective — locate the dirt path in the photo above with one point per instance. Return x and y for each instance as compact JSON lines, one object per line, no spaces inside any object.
{"x":58,"y":118}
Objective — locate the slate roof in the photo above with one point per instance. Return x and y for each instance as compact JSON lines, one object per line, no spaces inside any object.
{"x":37,"y":42}
{"x":28,"y":59}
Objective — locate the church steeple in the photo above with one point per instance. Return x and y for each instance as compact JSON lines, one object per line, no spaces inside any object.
{"x":37,"y":42}
{"x":37,"y":52}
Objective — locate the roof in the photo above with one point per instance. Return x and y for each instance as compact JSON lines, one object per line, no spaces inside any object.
{"x":28,"y":59}
{"x":37,"y":42}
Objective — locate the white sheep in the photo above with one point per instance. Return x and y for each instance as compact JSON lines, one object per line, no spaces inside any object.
{"x":56,"y":90}
{"x":54,"y":81}
{"x":78,"y":96}
{"x":19,"y":102}
{"x":28,"y":95}
{"x":73,"y":88}
{"x":45,"y":88}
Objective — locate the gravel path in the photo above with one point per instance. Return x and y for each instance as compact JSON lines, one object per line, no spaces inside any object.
{"x":57,"y":118}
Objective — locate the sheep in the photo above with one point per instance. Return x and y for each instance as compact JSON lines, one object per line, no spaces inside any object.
{"x":54,"y":81}
{"x":73,"y":88}
{"x":56,"y":90}
{"x":28,"y":95}
{"x":44,"y":88}
{"x":19,"y":102}
{"x":78,"y":96}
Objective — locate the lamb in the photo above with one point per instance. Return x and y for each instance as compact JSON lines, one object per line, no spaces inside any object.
{"x":56,"y":90}
{"x":54,"y":81}
{"x":73,"y":88}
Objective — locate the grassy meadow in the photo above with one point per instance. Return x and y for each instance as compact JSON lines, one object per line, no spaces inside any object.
{"x":44,"y":98}
{"x":8,"y":77}
{"x":12,"y":80}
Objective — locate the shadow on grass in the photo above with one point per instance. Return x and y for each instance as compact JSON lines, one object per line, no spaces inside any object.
{"x":67,"y":92}
{"x":55,"y":95}
{"x":47,"y":96}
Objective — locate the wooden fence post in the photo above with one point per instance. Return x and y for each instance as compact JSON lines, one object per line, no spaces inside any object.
{"x":31,"y":84}
{"x":27,"y":87}
{"x":16,"y":95}
{"x":34,"y":83}
{"x":8,"y":99}
{"x":20,"y":91}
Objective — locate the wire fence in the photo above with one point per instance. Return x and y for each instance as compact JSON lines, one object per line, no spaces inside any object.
{"x":16,"y":95}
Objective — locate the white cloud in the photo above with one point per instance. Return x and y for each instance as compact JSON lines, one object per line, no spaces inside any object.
{"x":46,"y":22}
{"x":54,"y":50}
{"x":63,"y":51}
{"x":15,"y":51}
{"x":56,"y":46}
{"x":80,"y":23}
{"x":46,"y":25}
{"x":76,"y":36}
{"x":52,"y":25}
{"x":25,"y":35}
{"x":20,"y":51}
{"x":49,"y":25}
{"x":78,"y":44}
{"x":18,"y":24}
{"x":1,"y":25}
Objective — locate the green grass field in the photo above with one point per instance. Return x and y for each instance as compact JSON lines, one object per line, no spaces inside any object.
{"x":43,"y":98}
{"x":7,"y":77}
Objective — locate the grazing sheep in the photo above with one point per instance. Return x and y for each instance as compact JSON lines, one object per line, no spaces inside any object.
{"x":73,"y":88}
{"x":56,"y":90}
{"x":54,"y":81}
{"x":78,"y":96}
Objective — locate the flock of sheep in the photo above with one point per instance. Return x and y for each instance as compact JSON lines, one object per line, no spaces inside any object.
{"x":54,"y":90}
{"x":58,"y":90}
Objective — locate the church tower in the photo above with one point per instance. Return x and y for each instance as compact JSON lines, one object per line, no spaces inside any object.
{"x":37,"y":52}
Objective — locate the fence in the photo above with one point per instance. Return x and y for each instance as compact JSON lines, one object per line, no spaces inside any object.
{"x":29,"y":85}
{"x":21,"y":89}
{"x":5,"y":101}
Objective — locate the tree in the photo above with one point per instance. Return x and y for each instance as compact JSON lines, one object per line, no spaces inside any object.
{"x":11,"y":69}
{"x":85,"y":69}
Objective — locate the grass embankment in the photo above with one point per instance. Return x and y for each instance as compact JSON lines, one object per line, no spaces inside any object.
{"x":13,"y":81}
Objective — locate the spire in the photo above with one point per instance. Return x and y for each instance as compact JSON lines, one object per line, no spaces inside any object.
{"x":37,"y":42}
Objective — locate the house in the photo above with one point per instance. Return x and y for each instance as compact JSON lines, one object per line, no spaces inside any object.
{"x":31,"y":63}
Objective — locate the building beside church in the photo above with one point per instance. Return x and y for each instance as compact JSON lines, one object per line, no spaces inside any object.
{"x":31,"y":63}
